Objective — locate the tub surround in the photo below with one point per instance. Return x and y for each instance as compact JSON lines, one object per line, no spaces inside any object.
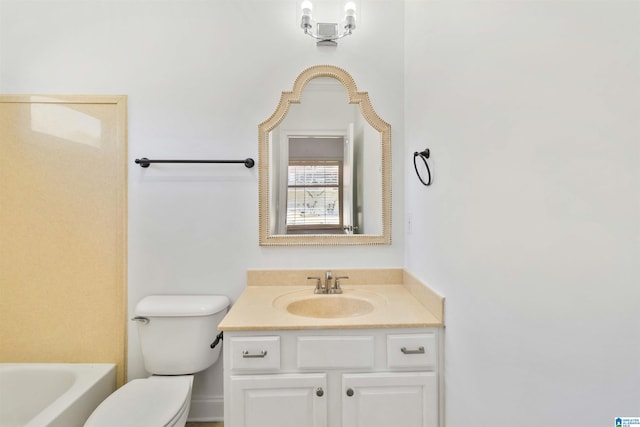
{"x":407,"y":303}
{"x":63,"y":228}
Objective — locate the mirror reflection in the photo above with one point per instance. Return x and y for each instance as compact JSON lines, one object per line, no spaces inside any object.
{"x":326,"y":166}
{"x":322,"y":166}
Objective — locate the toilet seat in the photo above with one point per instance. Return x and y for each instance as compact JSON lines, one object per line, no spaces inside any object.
{"x":156,"y":401}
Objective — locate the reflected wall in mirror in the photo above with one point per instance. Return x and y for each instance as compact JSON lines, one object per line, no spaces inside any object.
{"x":324,"y":165}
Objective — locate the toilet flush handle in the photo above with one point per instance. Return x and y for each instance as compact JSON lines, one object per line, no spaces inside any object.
{"x":141,"y":319}
{"x":219,"y":338}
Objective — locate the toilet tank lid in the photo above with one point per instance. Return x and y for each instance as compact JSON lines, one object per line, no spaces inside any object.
{"x":181,"y":305}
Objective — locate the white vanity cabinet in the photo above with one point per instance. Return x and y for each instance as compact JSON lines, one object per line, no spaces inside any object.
{"x":332,"y":378}
{"x":390,"y":399}
{"x":282,"y":400}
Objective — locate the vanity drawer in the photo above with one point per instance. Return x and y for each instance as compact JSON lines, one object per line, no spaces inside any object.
{"x":333,"y":352}
{"x":255,"y":353}
{"x":412,"y":351}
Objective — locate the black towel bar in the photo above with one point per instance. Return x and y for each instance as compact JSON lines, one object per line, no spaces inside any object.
{"x":144,"y":162}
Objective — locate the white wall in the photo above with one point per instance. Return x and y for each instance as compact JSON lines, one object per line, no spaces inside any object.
{"x":531,"y":228}
{"x":200,"y":76}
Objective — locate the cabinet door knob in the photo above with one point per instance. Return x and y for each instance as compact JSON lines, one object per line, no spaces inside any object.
{"x":319,"y":392}
{"x":349,"y":392}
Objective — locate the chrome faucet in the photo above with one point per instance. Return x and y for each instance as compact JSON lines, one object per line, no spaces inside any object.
{"x":327,"y":287}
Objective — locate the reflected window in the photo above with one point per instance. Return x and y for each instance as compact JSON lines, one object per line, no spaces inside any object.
{"x":314,"y":191}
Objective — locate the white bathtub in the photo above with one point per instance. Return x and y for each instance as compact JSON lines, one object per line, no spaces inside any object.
{"x":52,"y":394}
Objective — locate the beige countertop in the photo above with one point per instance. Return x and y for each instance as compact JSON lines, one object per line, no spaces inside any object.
{"x":396,"y":307}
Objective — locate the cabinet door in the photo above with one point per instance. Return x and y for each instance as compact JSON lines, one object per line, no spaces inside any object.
{"x":408,"y":399}
{"x":287,"y":400}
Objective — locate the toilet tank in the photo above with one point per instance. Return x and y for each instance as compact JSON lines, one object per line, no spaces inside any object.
{"x":176,"y":332}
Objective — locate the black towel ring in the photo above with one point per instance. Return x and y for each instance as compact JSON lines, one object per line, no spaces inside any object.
{"x":424,"y":155}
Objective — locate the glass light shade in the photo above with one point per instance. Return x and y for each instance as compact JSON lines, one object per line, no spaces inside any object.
{"x":306,"y":7}
{"x":350,"y":8}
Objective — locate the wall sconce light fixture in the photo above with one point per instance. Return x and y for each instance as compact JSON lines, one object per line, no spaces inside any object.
{"x":326,"y":33}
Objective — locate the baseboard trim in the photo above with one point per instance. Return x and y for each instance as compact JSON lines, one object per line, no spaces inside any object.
{"x":206,"y":408}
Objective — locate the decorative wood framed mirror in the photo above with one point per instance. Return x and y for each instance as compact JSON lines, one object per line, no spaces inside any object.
{"x":324,"y":165}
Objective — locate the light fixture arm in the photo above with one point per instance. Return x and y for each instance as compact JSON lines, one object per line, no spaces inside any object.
{"x":310,"y":32}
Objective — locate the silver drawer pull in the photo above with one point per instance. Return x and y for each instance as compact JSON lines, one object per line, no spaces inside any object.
{"x":420,"y":350}
{"x":247,"y":355}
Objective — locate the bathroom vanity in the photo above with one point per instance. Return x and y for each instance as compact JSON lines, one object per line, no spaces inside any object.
{"x":371,"y":356}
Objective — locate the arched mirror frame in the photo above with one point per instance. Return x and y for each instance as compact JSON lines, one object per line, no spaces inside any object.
{"x":371,"y":117}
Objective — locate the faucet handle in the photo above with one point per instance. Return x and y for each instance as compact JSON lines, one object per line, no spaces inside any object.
{"x":337,"y":283}
{"x":336,"y":289}
{"x":318,"y":283}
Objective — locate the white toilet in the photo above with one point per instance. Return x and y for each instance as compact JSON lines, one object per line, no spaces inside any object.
{"x":176,"y":334}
